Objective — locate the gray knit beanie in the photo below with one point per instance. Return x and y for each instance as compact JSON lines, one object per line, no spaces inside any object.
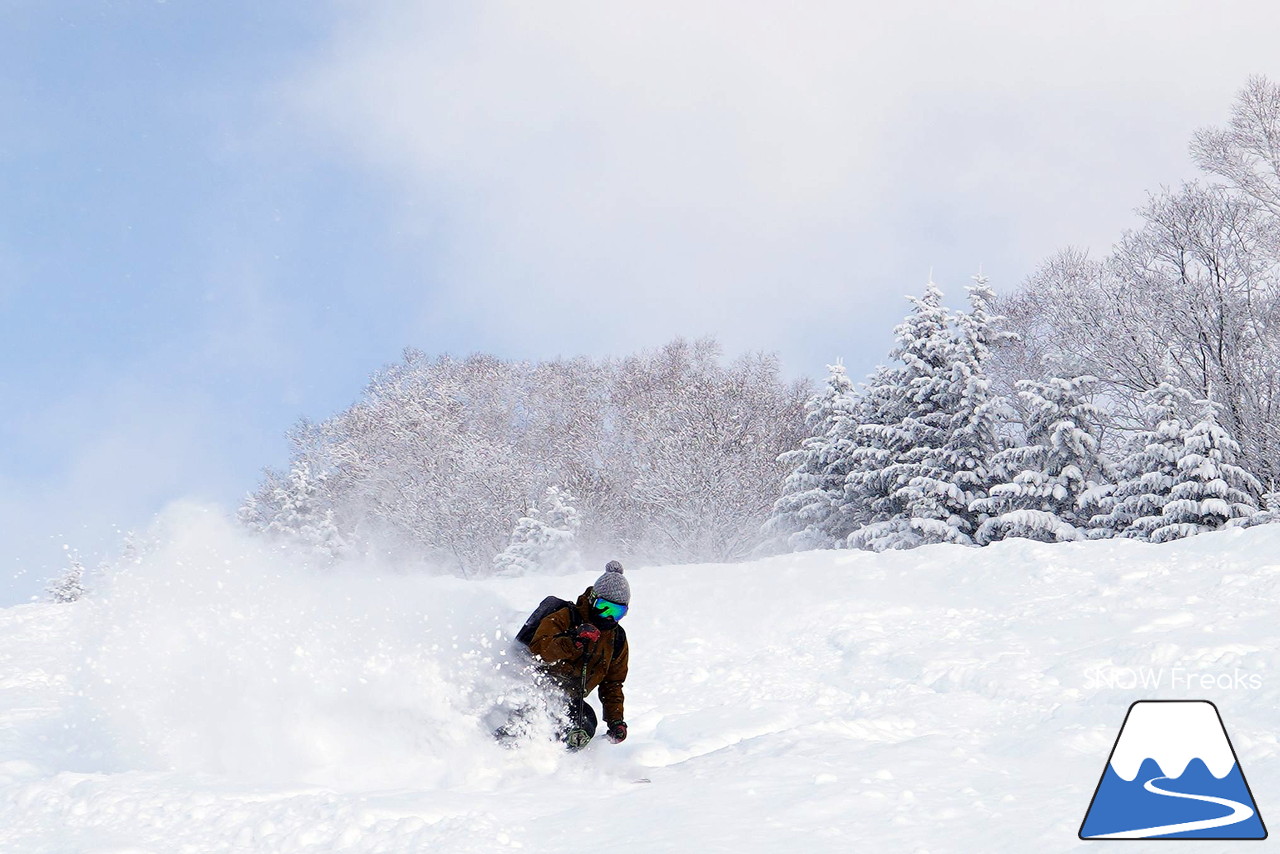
{"x":612,"y":585}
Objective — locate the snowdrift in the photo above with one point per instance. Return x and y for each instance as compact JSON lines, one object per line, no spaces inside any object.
{"x":224,"y":696}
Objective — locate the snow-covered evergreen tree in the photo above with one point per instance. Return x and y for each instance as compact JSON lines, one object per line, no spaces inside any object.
{"x":296,"y":508}
{"x":1046,"y":478}
{"x":808,"y":513}
{"x":1269,"y":514}
{"x":1132,"y":506}
{"x":922,"y":455}
{"x":1210,"y":489}
{"x":68,"y":587}
{"x":544,"y":540}
{"x":873,"y":444}
{"x":901,"y":423}
{"x":958,"y":472}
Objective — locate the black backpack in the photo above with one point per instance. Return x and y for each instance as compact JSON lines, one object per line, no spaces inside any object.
{"x":549,"y":606}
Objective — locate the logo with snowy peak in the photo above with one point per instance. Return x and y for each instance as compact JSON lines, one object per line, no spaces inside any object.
{"x":1173,"y":774}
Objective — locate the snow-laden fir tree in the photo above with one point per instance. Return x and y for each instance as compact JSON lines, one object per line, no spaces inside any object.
{"x":873,"y":445}
{"x":1210,"y":489}
{"x":543,"y":541}
{"x":939,"y":501}
{"x":905,"y":408}
{"x":1269,"y":514}
{"x":809,"y":513}
{"x":69,"y":586}
{"x":1132,"y":506}
{"x":1045,"y":479}
{"x":296,"y":508}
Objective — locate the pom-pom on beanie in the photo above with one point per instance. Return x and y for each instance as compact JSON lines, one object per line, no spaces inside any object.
{"x":613,"y":585}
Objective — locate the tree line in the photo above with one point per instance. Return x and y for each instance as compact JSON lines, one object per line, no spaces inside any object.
{"x":669,"y":455}
{"x":1132,"y":395}
{"x":926,"y":451}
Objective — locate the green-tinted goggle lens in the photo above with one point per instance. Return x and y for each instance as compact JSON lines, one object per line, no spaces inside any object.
{"x":610,"y":609}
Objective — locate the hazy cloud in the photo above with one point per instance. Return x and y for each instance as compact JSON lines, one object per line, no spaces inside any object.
{"x":102,"y":460}
{"x":611,"y":174}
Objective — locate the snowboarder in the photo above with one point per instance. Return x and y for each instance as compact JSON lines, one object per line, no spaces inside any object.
{"x":579,"y":646}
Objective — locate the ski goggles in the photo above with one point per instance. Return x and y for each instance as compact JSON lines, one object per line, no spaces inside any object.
{"x":605,"y":608}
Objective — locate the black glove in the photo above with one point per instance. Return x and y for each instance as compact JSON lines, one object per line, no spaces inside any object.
{"x":586,"y":634}
{"x":617,"y":731}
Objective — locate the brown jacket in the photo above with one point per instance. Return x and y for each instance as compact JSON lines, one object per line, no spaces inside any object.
{"x":553,"y":643}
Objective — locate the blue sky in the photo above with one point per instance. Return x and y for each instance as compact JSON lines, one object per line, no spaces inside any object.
{"x":218,"y":218}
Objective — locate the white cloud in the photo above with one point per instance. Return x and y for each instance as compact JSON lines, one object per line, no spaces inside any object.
{"x":607,"y":174}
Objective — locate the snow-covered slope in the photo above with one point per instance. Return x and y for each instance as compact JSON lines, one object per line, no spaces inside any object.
{"x":220,"y":698}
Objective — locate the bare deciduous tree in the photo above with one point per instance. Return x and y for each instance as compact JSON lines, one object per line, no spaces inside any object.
{"x":1246,"y":153}
{"x":671,"y":454}
{"x":1192,"y":295}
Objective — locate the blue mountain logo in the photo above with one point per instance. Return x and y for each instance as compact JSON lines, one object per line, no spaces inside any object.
{"x":1173,"y":774}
